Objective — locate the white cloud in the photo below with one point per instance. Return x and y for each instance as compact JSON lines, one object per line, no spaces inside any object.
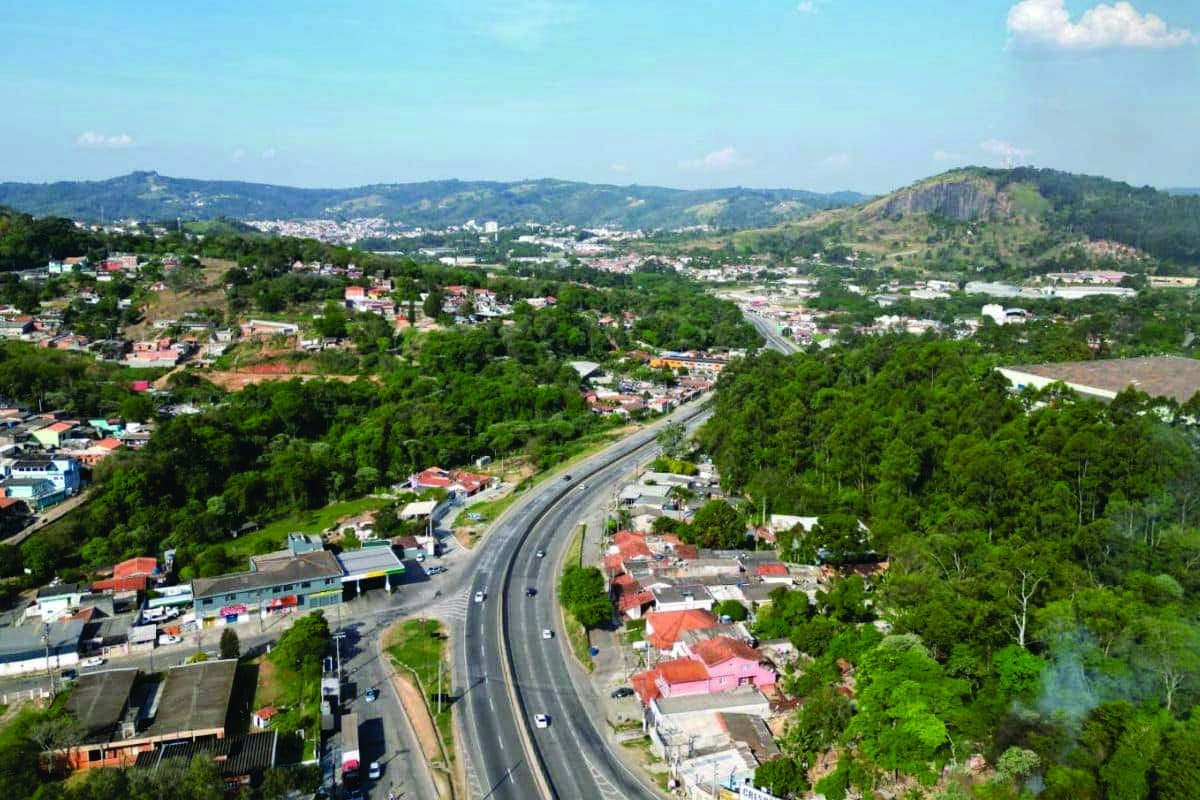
{"x":724,"y":158}
{"x":1010,"y":153}
{"x":114,"y":142}
{"x":946,"y":156}
{"x":238,"y":154}
{"x":527,"y":24}
{"x":834,"y":161}
{"x":1048,"y":23}
{"x":269,"y":153}
{"x":619,"y":167}
{"x":807,"y":7}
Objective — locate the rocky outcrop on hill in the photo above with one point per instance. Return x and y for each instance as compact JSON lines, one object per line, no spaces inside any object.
{"x":964,"y":199}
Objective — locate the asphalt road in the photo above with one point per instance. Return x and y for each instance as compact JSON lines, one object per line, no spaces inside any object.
{"x":496,"y":714}
{"x":770,"y":332}
{"x":497,"y":717}
{"x":385,"y":734}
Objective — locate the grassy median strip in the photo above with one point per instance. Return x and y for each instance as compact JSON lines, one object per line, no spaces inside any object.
{"x":576,"y":634}
{"x":419,"y":645}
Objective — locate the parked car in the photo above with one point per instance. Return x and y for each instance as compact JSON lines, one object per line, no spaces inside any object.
{"x":530,"y":592}
{"x":623,"y":691}
{"x":541,"y":553}
{"x":547,"y":633}
{"x":479,"y":596}
{"x":567,"y":477}
{"x":68,"y":676}
{"x":94,"y":661}
{"x":541,"y":720}
{"x":434,"y":570}
{"x":167,"y":639}
{"x":420,"y":556}
{"x":374,"y":771}
{"x":371,"y":695}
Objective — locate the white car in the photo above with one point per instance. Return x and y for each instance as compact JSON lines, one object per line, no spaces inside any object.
{"x":547,"y":633}
{"x":94,"y":661}
{"x":541,"y":553}
{"x":374,"y":771}
{"x":168,"y":639}
{"x":479,"y":596}
{"x":541,"y":720}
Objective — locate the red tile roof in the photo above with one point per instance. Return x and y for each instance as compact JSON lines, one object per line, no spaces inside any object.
{"x":681,"y":670}
{"x":144,"y":565}
{"x":632,"y":545}
{"x":722,"y":648}
{"x":771,"y":569}
{"x":133,"y":583}
{"x":668,"y":626}
{"x":645,"y":686}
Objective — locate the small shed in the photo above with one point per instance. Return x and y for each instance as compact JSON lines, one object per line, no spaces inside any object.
{"x":262,"y":718}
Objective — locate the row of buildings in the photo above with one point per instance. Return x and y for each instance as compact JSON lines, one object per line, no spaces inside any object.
{"x":137,"y":608}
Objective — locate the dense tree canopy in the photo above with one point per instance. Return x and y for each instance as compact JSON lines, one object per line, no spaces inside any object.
{"x":1041,"y":554}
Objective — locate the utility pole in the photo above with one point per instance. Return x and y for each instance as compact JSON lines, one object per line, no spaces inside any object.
{"x":46,"y":643}
{"x":439,"y":686}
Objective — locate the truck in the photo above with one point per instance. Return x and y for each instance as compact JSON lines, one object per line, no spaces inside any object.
{"x":350,"y":754}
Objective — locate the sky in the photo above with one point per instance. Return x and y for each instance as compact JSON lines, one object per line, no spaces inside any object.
{"x":805,"y":94}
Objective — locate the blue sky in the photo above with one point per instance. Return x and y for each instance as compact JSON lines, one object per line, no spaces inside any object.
{"x":818,"y":94}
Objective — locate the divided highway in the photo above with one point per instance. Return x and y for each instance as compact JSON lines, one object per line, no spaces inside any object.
{"x":509,"y":672}
{"x":770,"y":331}
{"x":508,"y":757}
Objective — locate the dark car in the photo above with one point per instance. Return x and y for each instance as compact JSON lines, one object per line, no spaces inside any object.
{"x":372,"y":694}
{"x":623,"y":691}
{"x":566,"y":477}
{"x":530,"y":592}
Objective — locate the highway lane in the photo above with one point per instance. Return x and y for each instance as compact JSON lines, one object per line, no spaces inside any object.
{"x":493,"y":712}
{"x":578,"y":760}
{"x":769,"y":331}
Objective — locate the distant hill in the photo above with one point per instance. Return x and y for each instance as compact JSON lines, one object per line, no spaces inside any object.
{"x":981,"y":218}
{"x":1183,"y":191}
{"x":148,"y":195}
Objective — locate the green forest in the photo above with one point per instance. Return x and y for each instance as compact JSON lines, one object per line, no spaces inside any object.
{"x":1164,"y":225}
{"x":1039,"y":605}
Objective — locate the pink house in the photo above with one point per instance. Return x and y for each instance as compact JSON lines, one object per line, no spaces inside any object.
{"x":720,"y":664}
{"x":682,"y":676}
{"x":732,"y":663}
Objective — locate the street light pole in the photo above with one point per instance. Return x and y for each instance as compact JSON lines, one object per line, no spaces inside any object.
{"x":46,"y":644}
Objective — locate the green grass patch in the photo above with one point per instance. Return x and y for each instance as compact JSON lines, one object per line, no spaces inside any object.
{"x":273,"y":536}
{"x":419,"y":645}
{"x":298,"y":704}
{"x":576,"y":634}
{"x":490,"y":509}
{"x":574,"y":556}
{"x":635,"y":631}
{"x":1028,"y":200}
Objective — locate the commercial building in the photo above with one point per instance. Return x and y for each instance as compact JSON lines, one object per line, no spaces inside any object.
{"x":35,"y":647}
{"x":1174,"y":377}
{"x":300,"y":578}
{"x":61,"y":471}
{"x":375,"y":561}
{"x":124,"y":713}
